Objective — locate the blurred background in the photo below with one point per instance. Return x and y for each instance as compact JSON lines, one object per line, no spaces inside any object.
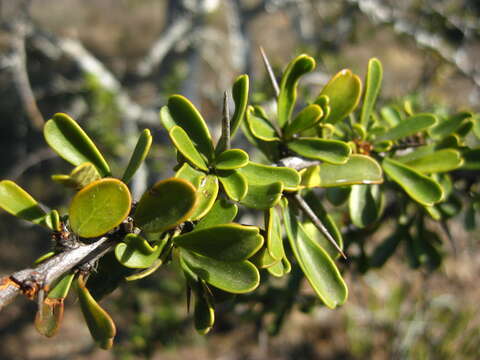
{"x":111,"y":64}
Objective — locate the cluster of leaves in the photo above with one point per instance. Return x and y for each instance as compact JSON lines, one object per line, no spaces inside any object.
{"x":190,"y":219}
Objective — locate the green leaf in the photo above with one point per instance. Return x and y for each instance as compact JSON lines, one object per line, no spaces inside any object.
{"x":304,"y":120}
{"x":136,"y":253}
{"x":231,"y":159}
{"x":472,"y":159}
{"x":365,"y":204}
{"x":235,"y":276}
{"x":187,"y":148}
{"x":319,"y":210}
{"x":259,"y":174}
{"x":99,"y":207}
{"x":234,"y":184}
{"x":80,"y":177}
{"x":409,"y":126}
{"x":274,"y":240}
{"x":263,"y":197}
{"x":344,"y":91}
{"x":52,"y":220}
{"x":280,"y":268}
{"x":69,"y":141}
{"x":18,"y":202}
{"x":222,"y":212}
{"x":183,"y":113}
{"x":261,"y":128}
{"x":62,"y":287}
{"x":319,"y":269}
{"x":271,"y":149}
{"x":138,"y":156}
{"x":203,"y":312}
{"x":438,"y":161}
{"x":359,"y":169}
{"x":419,"y":187}
{"x":448,"y":126}
{"x":187,"y":172}
{"x":332,"y":151}
{"x":206,"y":194}
{"x":240,"y":97}
{"x":373,"y":84}
{"x":338,"y":195}
{"x":391,"y":115}
{"x":229,"y":242}
{"x":263,"y":260}
{"x":100,"y":324}
{"x":288,"y":86}
{"x":168,"y":203}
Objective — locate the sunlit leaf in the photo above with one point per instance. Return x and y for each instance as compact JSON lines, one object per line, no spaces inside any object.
{"x":138,"y":156}
{"x":263,"y":197}
{"x":448,"y":126}
{"x":305,"y":119}
{"x":187,"y":148}
{"x":373,"y":84}
{"x":206,"y":194}
{"x":99,"y":207}
{"x":168,"y":203}
{"x":288,"y":86}
{"x":419,"y":187}
{"x":261,"y":128}
{"x":67,"y":138}
{"x":409,"y":126}
{"x":80,"y":177}
{"x":240,"y":98}
{"x":273,"y":228}
{"x":228,"y":242}
{"x":319,"y":269}
{"x":259,"y":174}
{"x":222,"y":212}
{"x":263,"y":260}
{"x":18,"y":202}
{"x":234,"y":184}
{"x":135,"y":252}
{"x":235,"y":276}
{"x":231,"y":159}
{"x":344,"y":91}
{"x":365,"y":204}
{"x":332,"y":151}
{"x":438,"y":161}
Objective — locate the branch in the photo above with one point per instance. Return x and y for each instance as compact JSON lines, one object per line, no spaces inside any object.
{"x":33,"y":280}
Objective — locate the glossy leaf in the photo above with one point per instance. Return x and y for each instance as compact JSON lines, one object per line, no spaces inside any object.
{"x":206,"y":194}
{"x":278,"y":269}
{"x":222,"y":212}
{"x":365,"y":204}
{"x":332,"y":151}
{"x":67,"y":138}
{"x":18,"y":202}
{"x":234,"y":184}
{"x":263,"y":260}
{"x":194,"y":176}
{"x":263,"y":197}
{"x":228,"y":242}
{"x":438,"y":161}
{"x":99,"y":207}
{"x":168,"y":203}
{"x":271,"y":149}
{"x":240,"y":98}
{"x":288,"y":86}
{"x":136,"y":253}
{"x":231,"y":159}
{"x":344,"y":91}
{"x":138,"y":156}
{"x":304,"y":120}
{"x":183,"y":113}
{"x":259,"y":174}
{"x":373,"y":84}
{"x":319,"y":269}
{"x":391,"y":115}
{"x":419,"y":187}
{"x":203,"y":312}
{"x":52,"y":220}
{"x":409,"y":126}
{"x":359,"y":169}
{"x":99,"y":323}
{"x":448,"y":126}
{"x":274,"y":240}
{"x":187,"y":148}
{"x":236,"y":276}
{"x":80,"y":177}
{"x":260,"y":127}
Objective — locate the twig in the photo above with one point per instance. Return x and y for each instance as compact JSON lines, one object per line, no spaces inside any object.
{"x":317,"y":222}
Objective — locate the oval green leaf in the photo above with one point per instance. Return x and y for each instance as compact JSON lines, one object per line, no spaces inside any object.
{"x":419,"y":187}
{"x":235,"y":276}
{"x":288,"y":86}
{"x":373,"y":84}
{"x":260,"y":174}
{"x":365,"y":204}
{"x":304,"y":120}
{"x":234,"y":184}
{"x":231,"y":159}
{"x":240,"y":98}
{"x":18,"y":202}
{"x":319,"y":269}
{"x":168,"y":203}
{"x":261,"y":128}
{"x":344,"y":91}
{"x":68,"y":140}
{"x":136,"y":253}
{"x":448,"y":126}
{"x":408,"y":126}
{"x":203,"y":312}
{"x":138,"y":156}
{"x":99,"y":207}
{"x":187,"y":148}
{"x":263,"y":197}
{"x":331,"y":151}
{"x":229,"y":242}
{"x":438,"y":161}
{"x":207,"y":192}
{"x":222,"y":212}
{"x":274,"y":239}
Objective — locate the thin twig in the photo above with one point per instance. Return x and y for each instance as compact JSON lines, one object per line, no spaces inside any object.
{"x":317,"y":222}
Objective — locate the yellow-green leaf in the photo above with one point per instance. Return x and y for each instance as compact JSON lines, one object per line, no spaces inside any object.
{"x":18,"y":202}
{"x":373,"y":84}
{"x":331,"y":151}
{"x":187,"y":148}
{"x":138,"y":156}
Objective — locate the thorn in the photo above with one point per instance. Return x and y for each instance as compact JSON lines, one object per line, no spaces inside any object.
{"x":226,"y":121}
{"x":270,"y":72}
{"x":317,"y":222}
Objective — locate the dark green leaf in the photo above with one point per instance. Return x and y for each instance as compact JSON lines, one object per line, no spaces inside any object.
{"x":259,"y":174}
{"x":263,"y":197}
{"x":448,"y":126}
{"x":305,"y":119}
{"x":438,"y":161}
{"x":331,"y":151}
{"x":373,"y":84}
{"x":472,"y":159}
{"x":138,"y":156}
{"x":231,"y":159}
{"x":136,"y":253}
{"x":69,"y":141}
{"x":409,"y":126}
{"x":222,"y":212}
{"x":240,"y":97}
{"x":261,"y":128}
{"x":365,"y":204}
{"x":234,"y":184}
{"x":338,"y":195}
